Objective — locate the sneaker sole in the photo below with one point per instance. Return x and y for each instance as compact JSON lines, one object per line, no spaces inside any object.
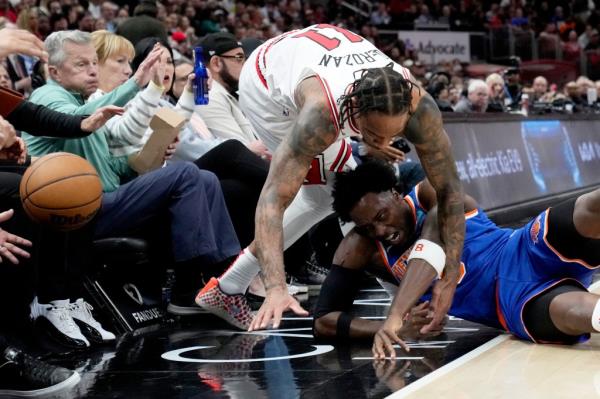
{"x":68,"y":383}
{"x":226,"y":317}
{"x":185,"y":310}
{"x":222,"y":314}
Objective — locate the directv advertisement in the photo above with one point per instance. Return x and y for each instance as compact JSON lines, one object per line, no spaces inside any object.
{"x":505,"y":163}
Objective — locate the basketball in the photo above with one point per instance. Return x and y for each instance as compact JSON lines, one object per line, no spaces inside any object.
{"x":61,"y":190}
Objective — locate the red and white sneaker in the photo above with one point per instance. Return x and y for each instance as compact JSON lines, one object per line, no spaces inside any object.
{"x":234,"y":309}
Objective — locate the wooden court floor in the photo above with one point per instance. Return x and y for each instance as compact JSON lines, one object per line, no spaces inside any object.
{"x":506,"y":367}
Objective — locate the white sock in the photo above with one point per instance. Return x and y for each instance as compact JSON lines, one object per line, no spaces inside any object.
{"x":596,"y":317}
{"x":240,"y":274}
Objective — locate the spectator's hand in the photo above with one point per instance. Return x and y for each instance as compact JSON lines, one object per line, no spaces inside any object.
{"x":189,"y":86}
{"x":171,"y":149}
{"x":16,"y":152}
{"x":259,"y":149}
{"x":19,"y":41}
{"x":8,"y":135}
{"x":9,"y":243}
{"x":145,"y":71}
{"x":96,"y":120}
{"x":158,"y":70}
{"x":389,"y":153}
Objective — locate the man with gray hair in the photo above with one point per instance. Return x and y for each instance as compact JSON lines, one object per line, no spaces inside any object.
{"x":201,"y":231}
{"x":477,"y":98}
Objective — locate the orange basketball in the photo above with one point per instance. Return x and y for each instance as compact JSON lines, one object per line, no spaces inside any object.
{"x":61,"y":190}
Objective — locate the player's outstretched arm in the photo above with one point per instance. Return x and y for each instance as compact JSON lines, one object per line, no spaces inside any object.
{"x":313,"y":132}
{"x":426,"y":132}
{"x":332,"y":319}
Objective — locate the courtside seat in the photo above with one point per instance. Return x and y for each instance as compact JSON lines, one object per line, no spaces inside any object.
{"x":120,"y":251}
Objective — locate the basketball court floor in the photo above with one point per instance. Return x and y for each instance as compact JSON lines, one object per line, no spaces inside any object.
{"x":202,"y":358}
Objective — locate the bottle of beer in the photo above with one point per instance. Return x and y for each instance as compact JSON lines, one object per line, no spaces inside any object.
{"x":201,"y":79}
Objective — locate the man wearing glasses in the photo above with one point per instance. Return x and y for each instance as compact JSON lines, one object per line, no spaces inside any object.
{"x":224,"y":58}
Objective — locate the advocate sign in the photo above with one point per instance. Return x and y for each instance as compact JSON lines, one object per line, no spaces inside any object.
{"x":433,"y":47}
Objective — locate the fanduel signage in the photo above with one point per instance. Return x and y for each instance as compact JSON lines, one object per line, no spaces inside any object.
{"x":433,"y":47}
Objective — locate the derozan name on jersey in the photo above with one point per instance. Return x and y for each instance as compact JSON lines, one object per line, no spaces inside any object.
{"x":361,"y":58}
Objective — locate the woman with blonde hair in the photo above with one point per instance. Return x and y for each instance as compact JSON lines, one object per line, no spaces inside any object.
{"x":495,"y":85}
{"x":115,"y":54}
{"x":28,"y":20}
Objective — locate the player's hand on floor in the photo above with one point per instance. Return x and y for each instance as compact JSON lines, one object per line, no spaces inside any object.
{"x":10,"y":243}
{"x":441,"y":300}
{"x":386,"y":337}
{"x":277,"y":301}
{"x":418,"y":317}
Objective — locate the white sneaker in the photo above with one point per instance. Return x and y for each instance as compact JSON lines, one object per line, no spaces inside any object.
{"x":295,"y":288}
{"x":56,"y":321}
{"x":81,"y":312}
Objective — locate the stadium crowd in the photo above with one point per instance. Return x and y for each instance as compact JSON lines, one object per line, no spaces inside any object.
{"x":571,"y":25}
{"x":139,"y":55}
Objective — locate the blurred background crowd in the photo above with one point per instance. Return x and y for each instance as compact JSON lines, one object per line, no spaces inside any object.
{"x":505,"y":35}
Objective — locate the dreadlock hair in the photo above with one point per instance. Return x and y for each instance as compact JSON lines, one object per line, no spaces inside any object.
{"x":378,"y":89}
{"x":369,"y":177}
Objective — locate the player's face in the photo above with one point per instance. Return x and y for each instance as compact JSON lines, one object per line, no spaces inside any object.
{"x":383,"y":216}
{"x":378,"y":129}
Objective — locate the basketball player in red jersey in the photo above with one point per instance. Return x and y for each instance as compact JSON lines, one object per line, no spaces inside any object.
{"x":304,"y":92}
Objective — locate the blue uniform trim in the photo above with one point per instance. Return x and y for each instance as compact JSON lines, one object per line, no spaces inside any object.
{"x":504,"y":269}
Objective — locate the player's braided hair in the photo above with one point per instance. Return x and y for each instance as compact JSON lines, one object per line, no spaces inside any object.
{"x":377,"y":89}
{"x":349,"y":187}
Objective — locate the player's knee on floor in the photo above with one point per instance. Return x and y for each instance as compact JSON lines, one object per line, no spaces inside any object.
{"x":537,"y":319}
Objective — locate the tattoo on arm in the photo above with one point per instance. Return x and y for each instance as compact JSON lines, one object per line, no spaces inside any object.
{"x":426,"y":132}
{"x":312,"y":134}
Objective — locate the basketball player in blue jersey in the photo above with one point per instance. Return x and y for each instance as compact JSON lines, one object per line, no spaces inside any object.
{"x":305,"y":92}
{"x":529,"y":281}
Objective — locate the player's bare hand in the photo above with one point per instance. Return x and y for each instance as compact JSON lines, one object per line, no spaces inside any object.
{"x":20,"y":41}
{"x":10,"y":243}
{"x":99,"y":118}
{"x":441,"y":300}
{"x":418,"y":317}
{"x":278,"y":300}
{"x":388,"y":153}
{"x":386,"y":337}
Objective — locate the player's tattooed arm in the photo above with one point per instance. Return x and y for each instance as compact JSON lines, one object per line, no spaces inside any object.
{"x":426,"y":132}
{"x":313,"y":132}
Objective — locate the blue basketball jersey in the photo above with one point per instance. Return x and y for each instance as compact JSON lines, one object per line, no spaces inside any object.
{"x":501,"y":269}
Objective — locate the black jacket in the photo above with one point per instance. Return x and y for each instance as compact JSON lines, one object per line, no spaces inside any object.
{"x":38,"y":120}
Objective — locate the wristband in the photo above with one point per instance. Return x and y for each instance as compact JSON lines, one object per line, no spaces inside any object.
{"x":430,"y":252}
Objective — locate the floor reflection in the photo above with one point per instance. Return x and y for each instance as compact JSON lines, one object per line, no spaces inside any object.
{"x":187,"y":360}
